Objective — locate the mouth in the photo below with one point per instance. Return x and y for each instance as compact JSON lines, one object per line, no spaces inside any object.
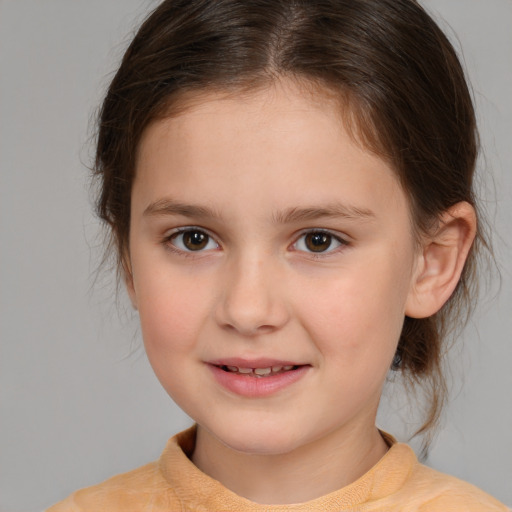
{"x":257,"y":378}
{"x":259,"y":373}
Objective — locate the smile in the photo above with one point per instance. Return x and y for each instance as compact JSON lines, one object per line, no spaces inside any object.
{"x":258,"y":372}
{"x":257,"y":378}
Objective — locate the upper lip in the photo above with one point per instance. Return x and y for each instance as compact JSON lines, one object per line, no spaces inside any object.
{"x":260,"y":362}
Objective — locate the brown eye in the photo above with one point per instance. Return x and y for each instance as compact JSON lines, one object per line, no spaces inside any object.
{"x":318,"y":242}
{"x":193,"y":240}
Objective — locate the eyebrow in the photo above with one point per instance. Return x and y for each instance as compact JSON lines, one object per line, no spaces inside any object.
{"x":170,"y":207}
{"x":164,"y":207}
{"x":334,"y":210}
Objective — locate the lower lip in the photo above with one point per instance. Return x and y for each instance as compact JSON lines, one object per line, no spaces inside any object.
{"x":257,"y":387}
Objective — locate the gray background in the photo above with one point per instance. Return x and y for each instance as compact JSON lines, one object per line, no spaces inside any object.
{"x":78,"y":401}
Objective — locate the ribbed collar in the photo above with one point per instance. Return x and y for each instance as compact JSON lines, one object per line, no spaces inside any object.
{"x":198,"y":491}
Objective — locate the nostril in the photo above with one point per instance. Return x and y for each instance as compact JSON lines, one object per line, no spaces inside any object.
{"x":249,"y":330}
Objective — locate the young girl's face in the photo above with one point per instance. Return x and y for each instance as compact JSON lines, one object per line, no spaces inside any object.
{"x":272,"y":260}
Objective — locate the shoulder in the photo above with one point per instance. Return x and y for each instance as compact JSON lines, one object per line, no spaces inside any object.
{"x":401,"y":483}
{"x":127,"y":492}
{"x":146,"y":488}
{"x":432,"y":491}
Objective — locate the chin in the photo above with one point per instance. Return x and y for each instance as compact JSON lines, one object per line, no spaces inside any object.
{"x":259,"y":439}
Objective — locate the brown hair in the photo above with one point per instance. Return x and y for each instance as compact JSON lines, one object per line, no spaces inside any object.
{"x":386,"y":60}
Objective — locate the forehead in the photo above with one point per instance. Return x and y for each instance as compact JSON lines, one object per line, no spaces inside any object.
{"x":279,"y":145}
{"x":280,"y":94}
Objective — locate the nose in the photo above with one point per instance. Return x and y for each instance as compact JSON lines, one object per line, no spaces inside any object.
{"x":253,"y":298}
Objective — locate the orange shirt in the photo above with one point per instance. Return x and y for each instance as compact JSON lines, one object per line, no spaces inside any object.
{"x":397,"y":483}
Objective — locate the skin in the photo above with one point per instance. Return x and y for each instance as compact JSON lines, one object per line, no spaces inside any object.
{"x":256,"y":289}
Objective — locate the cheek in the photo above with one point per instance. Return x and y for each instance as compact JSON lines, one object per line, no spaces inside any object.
{"x":170,"y":313}
{"x":171,"y":316}
{"x":357,"y":318}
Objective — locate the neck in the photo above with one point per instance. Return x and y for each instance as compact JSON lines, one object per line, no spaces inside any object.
{"x":308,"y":472}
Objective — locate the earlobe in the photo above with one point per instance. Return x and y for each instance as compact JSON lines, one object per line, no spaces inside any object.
{"x":441,"y":261}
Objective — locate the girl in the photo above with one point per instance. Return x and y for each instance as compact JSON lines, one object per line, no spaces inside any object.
{"x":288,"y":187}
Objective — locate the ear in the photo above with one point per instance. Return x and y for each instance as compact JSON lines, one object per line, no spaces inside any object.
{"x":128,"y":279}
{"x":441,"y":261}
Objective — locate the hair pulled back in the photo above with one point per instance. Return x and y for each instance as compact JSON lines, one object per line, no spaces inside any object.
{"x":388,"y":62}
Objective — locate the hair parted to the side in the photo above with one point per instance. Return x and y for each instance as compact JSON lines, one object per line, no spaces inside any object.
{"x":402,"y":92}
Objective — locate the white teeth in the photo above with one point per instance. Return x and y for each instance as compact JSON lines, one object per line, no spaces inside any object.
{"x":262,"y":371}
{"x":259,"y":372}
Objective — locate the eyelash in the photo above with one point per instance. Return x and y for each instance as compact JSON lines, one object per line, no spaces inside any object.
{"x":334,"y":238}
{"x":168,"y":241}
